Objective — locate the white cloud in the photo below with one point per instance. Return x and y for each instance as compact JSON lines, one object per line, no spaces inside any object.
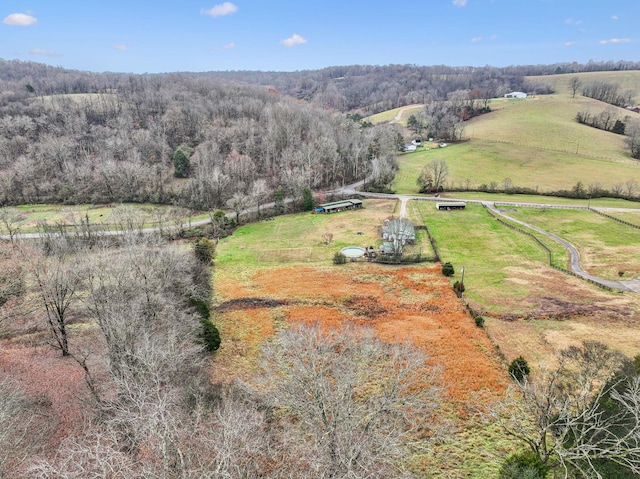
{"x":460,"y":3}
{"x":20,"y":20}
{"x":615,"y":40}
{"x":493,"y":37}
{"x":571,"y":21}
{"x":121,"y":47}
{"x":226,"y":8}
{"x":569,"y":44}
{"x":41,"y":51}
{"x":476,"y":39}
{"x":614,"y":17}
{"x":229,"y":46}
{"x":295,"y":39}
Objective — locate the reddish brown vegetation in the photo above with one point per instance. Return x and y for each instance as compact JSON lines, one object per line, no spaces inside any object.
{"x":411,"y":303}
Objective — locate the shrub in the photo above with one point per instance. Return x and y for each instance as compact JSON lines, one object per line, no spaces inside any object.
{"x":210,"y":335}
{"x":339,"y":258}
{"x":448,"y":270}
{"x":524,"y":465}
{"x":519,"y":368}
{"x":205,"y":250}
{"x":479,"y":321}
{"x":459,"y":288}
{"x":307,"y":199}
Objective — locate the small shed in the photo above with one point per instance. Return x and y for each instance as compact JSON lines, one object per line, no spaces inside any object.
{"x":451,"y":205}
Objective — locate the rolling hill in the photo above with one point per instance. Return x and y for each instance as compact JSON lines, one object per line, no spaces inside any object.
{"x":534,"y":143}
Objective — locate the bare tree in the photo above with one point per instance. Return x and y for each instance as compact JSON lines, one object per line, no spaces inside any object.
{"x":238,"y":203}
{"x":631,"y":187}
{"x":10,"y":219}
{"x":577,"y":414}
{"x":574,"y":85}
{"x":127,"y":219}
{"x":259,"y":191}
{"x":433,"y":176}
{"x":632,"y":140}
{"x":353,"y":400}
{"x":58,"y":282}
{"x":21,"y":427}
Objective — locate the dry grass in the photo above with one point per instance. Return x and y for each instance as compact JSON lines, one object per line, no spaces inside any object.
{"x":413,"y":304}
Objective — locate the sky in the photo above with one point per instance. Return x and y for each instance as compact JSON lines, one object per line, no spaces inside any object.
{"x":142,"y":36}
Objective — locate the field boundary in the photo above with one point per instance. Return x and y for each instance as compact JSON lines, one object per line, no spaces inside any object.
{"x":548,"y":250}
{"x":626,"y":223}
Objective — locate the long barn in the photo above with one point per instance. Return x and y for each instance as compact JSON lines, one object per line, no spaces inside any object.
{"x":337,"y":206}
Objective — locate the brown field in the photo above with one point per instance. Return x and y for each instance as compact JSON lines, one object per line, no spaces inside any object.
{"x":413,"y":304}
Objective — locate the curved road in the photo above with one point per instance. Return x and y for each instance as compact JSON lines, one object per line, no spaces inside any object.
{"x":632,"y":285}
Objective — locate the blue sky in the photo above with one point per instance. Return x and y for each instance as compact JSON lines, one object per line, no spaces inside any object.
{"x":286,"y":35}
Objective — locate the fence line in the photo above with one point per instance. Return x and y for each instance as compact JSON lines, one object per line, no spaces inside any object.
{"x":626,"y":223}
{"x":549,"y":253}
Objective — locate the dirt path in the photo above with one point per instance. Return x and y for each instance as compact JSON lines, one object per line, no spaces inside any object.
{"x":398,"y":116}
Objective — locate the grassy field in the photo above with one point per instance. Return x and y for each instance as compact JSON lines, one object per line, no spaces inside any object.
{"x":626,"y":80}
{"x":302,"y":238}
{"x":608,"y":249}
{"x":483,"y":162}
{"x":387,"y":116}
{"x":100,"y":216}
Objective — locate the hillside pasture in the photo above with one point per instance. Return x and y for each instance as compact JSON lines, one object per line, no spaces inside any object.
{"x":387,"y":116}
{"x":535,"y":143}
{"x":625,"y":79}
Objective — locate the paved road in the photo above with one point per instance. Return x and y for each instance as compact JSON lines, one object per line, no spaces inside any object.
{"x":632,"y":285}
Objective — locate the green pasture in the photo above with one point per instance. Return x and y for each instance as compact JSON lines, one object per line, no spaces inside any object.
{"x":100,"y":216}
{"x":302,"y":238}
{"x":548,"y":123}
{"x":487,"y":250}
{"x":632,"y":217}
{"x":534,"y":143}
{"x":607,"y":245}
{"x":485,"y":162}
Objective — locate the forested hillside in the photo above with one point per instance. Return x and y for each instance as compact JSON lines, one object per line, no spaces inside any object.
{"x":80,"y":137}
{"x":372,"y":89}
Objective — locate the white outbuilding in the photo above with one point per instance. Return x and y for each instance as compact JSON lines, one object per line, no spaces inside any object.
{"x":516,"y":94}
